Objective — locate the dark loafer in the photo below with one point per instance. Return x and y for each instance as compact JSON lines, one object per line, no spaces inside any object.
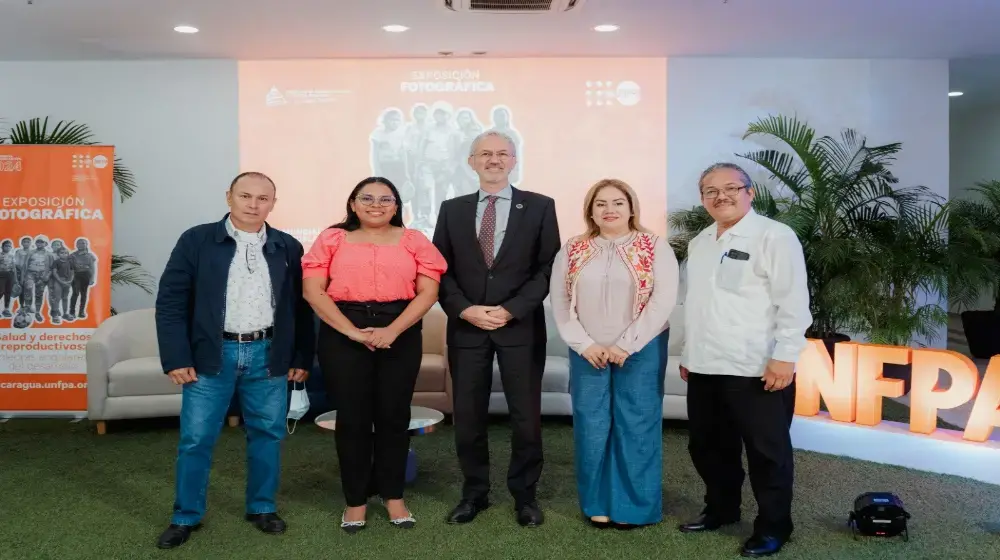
{"x":706,"y":523}
{"x":530,"y":515}
{"x":466,"y":511}
{"x":176,"y":535}
{"x":759,"y":546}
{"x":268,"y":523}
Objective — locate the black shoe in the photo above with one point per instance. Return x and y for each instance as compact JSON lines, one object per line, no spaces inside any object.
{"x":530,"y":515}
{"x":706,"y":523}
{"x":759,"y":546}
{"x":269,"y":523}
{"x":176,"y":535}
{"x":467,"y":510}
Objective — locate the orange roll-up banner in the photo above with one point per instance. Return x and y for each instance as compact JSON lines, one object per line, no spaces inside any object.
{"x":55,"y":273}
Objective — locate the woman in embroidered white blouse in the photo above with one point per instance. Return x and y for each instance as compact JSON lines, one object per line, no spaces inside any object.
{"x":613,"y":289}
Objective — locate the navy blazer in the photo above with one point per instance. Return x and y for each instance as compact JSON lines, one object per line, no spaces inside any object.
{"x":191,"y":302}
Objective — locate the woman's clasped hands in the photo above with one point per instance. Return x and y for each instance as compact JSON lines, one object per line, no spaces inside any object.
{"x":600,"y":356}
{"x":375,"y":337}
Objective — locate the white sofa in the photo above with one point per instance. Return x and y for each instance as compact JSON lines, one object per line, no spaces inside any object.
{"x":556,"y":400}
{"x":124,"y":375}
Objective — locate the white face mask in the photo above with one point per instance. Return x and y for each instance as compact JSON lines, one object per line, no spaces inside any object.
{"x":298,"y":407}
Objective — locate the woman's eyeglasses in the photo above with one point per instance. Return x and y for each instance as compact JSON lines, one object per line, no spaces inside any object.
{"x":369,"y":200}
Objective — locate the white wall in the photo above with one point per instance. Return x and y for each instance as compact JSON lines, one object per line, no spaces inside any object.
{"x":712,"y":100}
{"x":975,"y":148}
{"x":174,"y":124}
{"x":975,"y":157}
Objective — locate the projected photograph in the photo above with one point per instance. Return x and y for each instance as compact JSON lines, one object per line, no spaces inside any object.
{"x":320,"y":126}
{"x":427,"y":155}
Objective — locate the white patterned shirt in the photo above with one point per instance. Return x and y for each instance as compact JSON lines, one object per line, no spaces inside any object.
{"x":249,"y":302}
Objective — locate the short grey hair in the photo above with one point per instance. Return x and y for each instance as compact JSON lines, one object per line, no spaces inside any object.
{"x":744,"y":176}
{"x":492,"y":132}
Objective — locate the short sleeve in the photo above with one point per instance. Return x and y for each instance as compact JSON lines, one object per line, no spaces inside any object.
{"x":316,"y":263}
{"x":430,"y":261}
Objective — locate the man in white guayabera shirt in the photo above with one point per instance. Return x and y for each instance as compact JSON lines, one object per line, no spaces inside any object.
{"x":230,"y":318}
{"x":746,"y":314}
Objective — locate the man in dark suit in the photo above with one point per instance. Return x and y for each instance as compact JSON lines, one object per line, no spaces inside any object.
{"x":499,"y":243}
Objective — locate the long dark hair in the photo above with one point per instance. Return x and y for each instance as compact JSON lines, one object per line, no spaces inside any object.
{"x":352,"y":222}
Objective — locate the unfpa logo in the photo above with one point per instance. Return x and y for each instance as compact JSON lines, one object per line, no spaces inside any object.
{"x":605,"y":93}
{"x":84,"y":161}
{"x":10,"y":164}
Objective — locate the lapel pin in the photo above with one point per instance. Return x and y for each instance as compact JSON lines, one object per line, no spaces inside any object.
{"x":519,"y":206}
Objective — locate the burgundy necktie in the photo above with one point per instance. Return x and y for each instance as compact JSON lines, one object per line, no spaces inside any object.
{"x":487,"y":230}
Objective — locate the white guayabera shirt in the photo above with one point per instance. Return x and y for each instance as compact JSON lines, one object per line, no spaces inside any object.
{"x":747,"y":298}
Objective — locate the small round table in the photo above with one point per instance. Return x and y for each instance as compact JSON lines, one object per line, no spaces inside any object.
{"x":423,"y":420}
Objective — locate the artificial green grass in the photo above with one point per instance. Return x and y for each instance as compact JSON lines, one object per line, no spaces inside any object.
{"x":68,"y":493}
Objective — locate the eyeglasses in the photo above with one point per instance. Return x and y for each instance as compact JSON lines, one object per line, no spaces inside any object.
{"x":728,"y":191}
{"x":369,"y":200}
{"x":504,"y":156}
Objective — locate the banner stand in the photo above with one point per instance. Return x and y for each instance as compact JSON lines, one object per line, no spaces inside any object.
{"x":56,"y":234}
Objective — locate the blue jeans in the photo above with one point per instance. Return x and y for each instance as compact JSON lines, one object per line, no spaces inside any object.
{"x":618,"y":435}
{"x":264,"y":403}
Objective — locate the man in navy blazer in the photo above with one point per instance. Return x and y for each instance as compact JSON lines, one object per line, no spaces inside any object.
{"x":230,"y":319}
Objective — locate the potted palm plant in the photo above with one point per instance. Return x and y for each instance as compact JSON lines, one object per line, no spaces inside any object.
{"x":826,"y":189}
{"x":976,"y":230}
{"x":125,"y":269}
{"x":929,"y":254}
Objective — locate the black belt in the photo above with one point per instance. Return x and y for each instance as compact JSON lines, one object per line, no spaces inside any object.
{"x":250,"y":336}
{"x":374,"y":308}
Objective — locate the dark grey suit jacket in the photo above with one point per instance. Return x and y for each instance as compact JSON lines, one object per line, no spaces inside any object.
{"x":518,"y":279}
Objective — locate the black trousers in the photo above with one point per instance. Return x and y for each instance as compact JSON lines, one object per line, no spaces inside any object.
{"x":725,"y":413}
{"x":521,"y":370}
{"x":373,"y":391}
{"x":81,"y":286}
{"x":6,"y":287}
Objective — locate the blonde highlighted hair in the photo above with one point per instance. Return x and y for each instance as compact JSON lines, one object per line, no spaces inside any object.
{"x":593,"y":230}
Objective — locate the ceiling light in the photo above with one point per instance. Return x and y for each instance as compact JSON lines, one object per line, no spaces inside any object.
{"x":185,"y":29}
{"x":606,"y":28}
{"x":955,"y":94}
{"x":395,"y":28}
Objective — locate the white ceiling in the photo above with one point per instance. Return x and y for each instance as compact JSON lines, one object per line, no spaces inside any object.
{"x":258,"y":29}
{"x":271,"y":29}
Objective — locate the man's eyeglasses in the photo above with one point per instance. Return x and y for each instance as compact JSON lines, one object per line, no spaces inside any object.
{"x":730,"y":191}
{"x":504,"y":156}
{"x":369,"y":200}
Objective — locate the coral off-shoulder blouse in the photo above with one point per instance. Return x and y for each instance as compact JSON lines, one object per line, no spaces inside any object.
{"x":366,"y":272}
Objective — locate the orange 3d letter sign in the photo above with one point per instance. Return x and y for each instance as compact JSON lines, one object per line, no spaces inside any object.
{"x":851,"y":384}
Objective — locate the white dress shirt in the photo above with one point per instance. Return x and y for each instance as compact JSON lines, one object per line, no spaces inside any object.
{"x":249,"y":301}
{"x":749,"y":307}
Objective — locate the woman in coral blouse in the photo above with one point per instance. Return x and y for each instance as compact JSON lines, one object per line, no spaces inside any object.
{"x":371,"y":281}
{"x":613,"y":289}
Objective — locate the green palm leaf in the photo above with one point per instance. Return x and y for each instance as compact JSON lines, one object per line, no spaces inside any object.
{"x":974,"y":241}
{"x":36,"y":131}
{"x":125,"y":270}
{"x":874,"y":251}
